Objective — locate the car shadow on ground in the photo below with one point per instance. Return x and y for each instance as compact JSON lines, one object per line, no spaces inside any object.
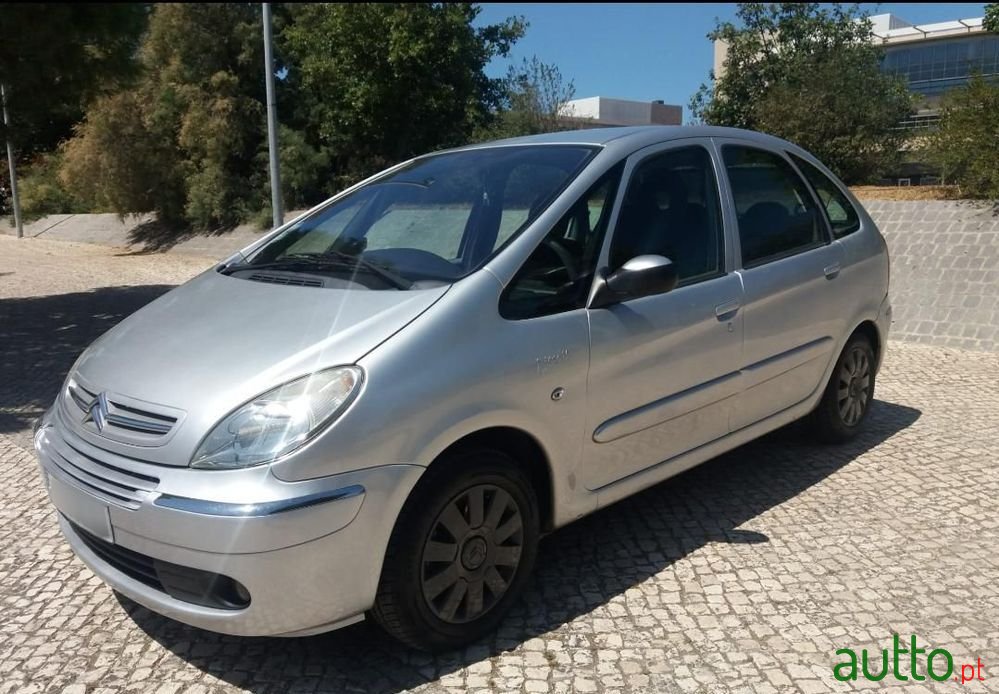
{"x":41,"y":337}
{"x":580,"y":568}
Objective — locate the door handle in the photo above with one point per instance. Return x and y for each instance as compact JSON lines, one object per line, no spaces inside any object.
{"x":727,"y":307}
{"x":830,"y":271}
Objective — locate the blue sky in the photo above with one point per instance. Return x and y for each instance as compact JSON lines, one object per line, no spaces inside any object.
{"x":647,"y":51}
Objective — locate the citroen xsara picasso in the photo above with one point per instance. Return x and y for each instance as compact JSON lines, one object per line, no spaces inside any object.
{"x":378,"y":408}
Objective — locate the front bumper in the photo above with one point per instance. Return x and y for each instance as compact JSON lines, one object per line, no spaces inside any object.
{"x":309,"y":554}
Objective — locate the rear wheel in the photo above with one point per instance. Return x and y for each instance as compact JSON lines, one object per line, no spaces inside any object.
{"x":461,"y":551}
{"x":848,"y":395}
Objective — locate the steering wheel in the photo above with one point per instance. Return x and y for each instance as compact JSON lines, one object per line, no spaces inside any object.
{"x":564,"y":257}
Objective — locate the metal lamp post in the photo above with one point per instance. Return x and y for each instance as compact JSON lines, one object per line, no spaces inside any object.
{"x":272,"y":145}
{"x":15,"y":201}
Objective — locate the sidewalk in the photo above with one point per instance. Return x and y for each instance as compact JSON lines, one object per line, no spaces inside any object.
{"x":138,"y":233}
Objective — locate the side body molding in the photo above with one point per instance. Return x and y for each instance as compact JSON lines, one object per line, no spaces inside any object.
{"x":670,"y":407}
{"x":700,"y":396}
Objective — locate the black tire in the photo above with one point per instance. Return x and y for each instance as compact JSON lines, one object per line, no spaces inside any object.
{"x":416,"y":562}
{"x":848,"y":395}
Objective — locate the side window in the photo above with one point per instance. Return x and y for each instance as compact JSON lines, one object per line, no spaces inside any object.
{"x":777,"y":215}
{"x":671,"y":209}
{"x":557,"y":276}
{"x":842,"y":216}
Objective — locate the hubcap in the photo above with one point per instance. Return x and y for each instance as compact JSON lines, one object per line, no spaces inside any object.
{"x":854,"y":387}
{"x":472,"y":554}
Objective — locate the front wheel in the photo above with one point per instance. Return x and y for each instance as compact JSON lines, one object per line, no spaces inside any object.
{"x":848,"y":395}
{"x":461,"y":551}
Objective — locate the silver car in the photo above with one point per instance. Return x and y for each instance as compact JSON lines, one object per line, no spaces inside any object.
{"x":378,"y":408}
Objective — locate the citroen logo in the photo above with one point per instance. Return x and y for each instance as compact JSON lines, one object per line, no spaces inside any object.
{"x":97,"y":412}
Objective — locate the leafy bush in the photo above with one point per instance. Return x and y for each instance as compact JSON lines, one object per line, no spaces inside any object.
{"x":115,"y":161}
{"x":42,"y":193}
{"x":966,"y":143}
{"x":304,"y":170}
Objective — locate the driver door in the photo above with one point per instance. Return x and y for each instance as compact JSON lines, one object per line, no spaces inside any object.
{"x":664,"y":369}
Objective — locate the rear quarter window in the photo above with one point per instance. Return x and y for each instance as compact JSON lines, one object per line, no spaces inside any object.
{"x":843,"y":217}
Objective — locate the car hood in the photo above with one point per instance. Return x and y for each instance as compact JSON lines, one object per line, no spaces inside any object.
{"x":210,"y":345}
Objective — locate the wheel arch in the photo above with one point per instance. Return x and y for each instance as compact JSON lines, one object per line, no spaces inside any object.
{"x":526,"y":451}
{"x":869,"y":329}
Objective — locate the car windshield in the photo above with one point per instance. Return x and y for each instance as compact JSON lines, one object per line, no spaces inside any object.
{"x":433,"y":221}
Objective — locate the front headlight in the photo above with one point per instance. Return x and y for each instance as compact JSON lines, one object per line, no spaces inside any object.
{"x":279,"y":421}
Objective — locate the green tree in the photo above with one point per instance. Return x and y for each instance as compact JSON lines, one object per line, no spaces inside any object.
{"x":42,"y":192}
{"x":56,"y":57}
{"x":382,"y":82}
{"x":811,"y":75}
{"x":535,"y":98}
{"x":991,"y":20}
{"x":360,"y":86}
{"x":966,"y":143}
{"x":183,"y":141}
{"x":119,"y":161}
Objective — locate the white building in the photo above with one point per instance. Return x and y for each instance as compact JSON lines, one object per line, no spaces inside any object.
{"x":600,"y":111}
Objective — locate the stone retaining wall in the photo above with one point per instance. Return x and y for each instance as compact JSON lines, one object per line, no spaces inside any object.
{"x":944,"y":271}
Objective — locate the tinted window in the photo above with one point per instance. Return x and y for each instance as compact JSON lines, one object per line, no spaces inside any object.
{"x":776,"y":214}
{"x":671,"y":209}
{"x":557,"y":276}
{"x":438,"y":218}
{"x":843,"y":218}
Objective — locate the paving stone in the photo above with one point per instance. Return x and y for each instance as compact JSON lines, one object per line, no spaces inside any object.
{"x":744,"y":574}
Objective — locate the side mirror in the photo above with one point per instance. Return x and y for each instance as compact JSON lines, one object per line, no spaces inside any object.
{"x":643,"y":275}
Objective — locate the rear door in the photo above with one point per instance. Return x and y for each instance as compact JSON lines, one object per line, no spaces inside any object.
{"x":789,"y":269}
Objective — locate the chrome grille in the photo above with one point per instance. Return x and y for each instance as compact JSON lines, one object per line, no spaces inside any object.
{"x":103,"y":479}
{"x":286,"y":279}
{"x":119,"y":418}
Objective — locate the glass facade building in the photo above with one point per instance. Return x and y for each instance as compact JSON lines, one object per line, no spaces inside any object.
{"x":936,"y":66}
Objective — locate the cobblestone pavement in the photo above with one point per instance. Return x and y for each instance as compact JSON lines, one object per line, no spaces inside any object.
{"x":745,"y":574}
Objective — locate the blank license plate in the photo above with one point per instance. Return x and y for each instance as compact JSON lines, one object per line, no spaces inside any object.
{"x":87,"y":512}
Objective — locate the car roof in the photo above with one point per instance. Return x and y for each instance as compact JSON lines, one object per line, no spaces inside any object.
{"x":635,"y":137}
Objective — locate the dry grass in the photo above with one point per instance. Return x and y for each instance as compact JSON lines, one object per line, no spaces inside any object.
{"x":906,"y":192}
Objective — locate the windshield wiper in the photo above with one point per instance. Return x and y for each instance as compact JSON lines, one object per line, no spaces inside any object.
{"x":392,"y":278}
{"x":336,"y":259}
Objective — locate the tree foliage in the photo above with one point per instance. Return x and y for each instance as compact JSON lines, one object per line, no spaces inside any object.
{"x":182,"y":142}
{"x":56,"y":57}
{"x":360,"y":86}
{"x":534,"y":101}
{"x":382,"y":82}
{"x":966,"y":143}
{"x":991,"y":19}
{"x":811,"y":75}
{"x":41,"y":191}
{"x":117,"y":162}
